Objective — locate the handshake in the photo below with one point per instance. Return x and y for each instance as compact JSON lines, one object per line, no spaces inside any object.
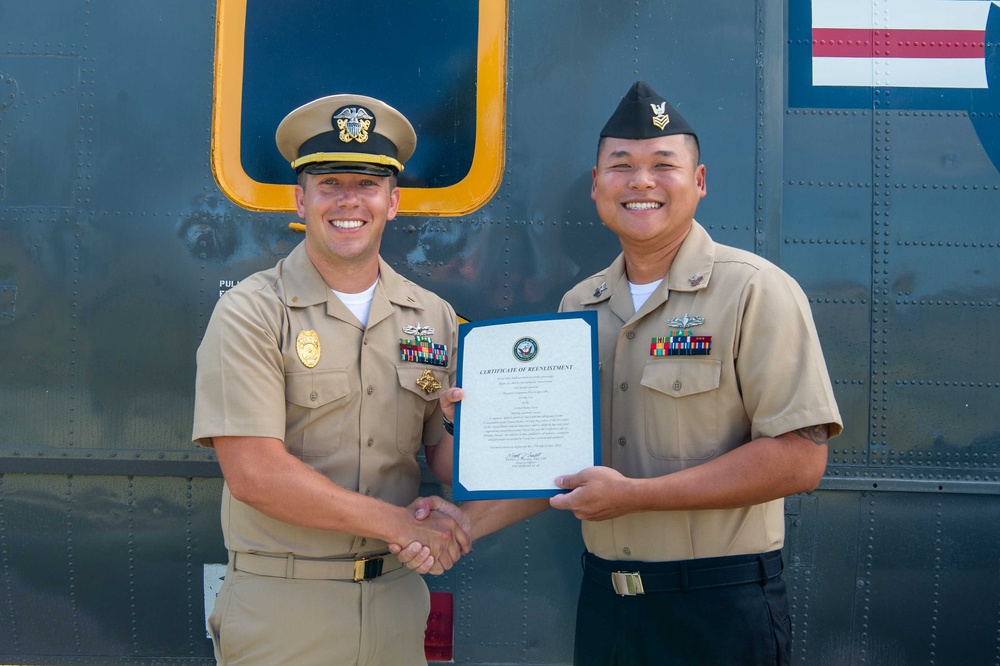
{"x":439,"y":534}
{"x":434,"y":533}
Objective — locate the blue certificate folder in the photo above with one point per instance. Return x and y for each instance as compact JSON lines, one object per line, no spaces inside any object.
{"x":531,"y":410}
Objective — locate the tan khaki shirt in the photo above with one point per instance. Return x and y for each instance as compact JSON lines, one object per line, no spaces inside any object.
{"x":358,"y":417}
{"x":764,"y":376}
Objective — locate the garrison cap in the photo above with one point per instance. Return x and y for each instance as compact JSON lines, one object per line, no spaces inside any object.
{"x":346,"y":134}
{"x":643,"y":114}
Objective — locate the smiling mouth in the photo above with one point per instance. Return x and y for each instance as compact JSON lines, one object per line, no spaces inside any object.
{"x":347,"y":224}
{"x":642,"y":205}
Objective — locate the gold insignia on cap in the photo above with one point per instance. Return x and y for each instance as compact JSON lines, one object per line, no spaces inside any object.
{"x":307,"y":347}
{"x":428,"y":383}
{"x":660,"y":119}
{"x":353,"y":123}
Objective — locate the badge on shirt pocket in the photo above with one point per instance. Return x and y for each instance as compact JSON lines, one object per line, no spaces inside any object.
{"x":308,"y":348}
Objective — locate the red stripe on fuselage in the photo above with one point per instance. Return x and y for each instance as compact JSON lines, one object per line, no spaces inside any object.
{"x":892,"y":43}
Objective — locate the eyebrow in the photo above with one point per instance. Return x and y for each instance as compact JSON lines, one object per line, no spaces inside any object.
{"x":618,"y":154}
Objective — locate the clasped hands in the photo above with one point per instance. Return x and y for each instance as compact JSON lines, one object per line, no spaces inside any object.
{"x":449,"y":530}
{"x":594,"y":493}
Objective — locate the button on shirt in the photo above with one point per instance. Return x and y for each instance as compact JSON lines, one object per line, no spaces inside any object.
{"x":765,"y":376}
{"x":358,"y":417}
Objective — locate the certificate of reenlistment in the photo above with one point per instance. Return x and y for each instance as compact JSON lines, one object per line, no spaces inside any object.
{"x":531,"y":410}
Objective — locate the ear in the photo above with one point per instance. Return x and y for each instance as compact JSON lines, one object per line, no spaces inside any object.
{"x":300,"y":207}
{"x":393,"y":203}
{"x":593,"y":183}
{"x":699,"y":179}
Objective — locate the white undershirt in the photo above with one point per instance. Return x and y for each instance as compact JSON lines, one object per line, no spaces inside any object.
{"x":359,"y":304}
{"x":641,"y":292}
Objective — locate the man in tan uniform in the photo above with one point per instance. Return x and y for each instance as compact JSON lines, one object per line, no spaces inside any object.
{"x":318,"y":381}
{"x":715,"y":405}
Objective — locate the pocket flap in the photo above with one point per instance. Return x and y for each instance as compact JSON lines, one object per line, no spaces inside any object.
{"x":410,"y":375}
{"x":682,"y":376}
{"x":316,"y":388}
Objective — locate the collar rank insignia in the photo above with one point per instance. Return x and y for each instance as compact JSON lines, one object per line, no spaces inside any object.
{"x":428,"y":383}
{"x":308,"y":349}
{"x":660,"y":119}
{"x":421,"y":349}
{"x":696,"y":279}
{"x":681,"y":343}
{"x":417,"y":329}
{"x":685,"y":321}
{"x":600,"y":289}
{"x":353,"y":123}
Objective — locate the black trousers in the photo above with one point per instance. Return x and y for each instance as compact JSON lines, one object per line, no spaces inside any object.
{"x":740,"y":624}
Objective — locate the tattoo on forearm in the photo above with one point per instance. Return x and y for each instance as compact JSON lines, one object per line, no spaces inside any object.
{"x":816,"y":434}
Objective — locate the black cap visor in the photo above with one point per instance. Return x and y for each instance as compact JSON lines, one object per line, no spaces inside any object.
{"x":348,"y":167}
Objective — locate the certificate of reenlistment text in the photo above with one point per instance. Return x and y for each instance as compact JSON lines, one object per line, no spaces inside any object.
{"x":531,"y":410}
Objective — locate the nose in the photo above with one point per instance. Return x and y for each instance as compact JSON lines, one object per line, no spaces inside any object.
{"x":642,"y":179}
{"x":348,"y":196}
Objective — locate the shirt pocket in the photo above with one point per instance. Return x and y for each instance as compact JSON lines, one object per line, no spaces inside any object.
{"x":681,"y":407}
{"x":415,"y":404}
{"x":316,"y":405}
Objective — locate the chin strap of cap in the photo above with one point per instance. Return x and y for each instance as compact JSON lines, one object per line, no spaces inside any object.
{"x":364,"y":158}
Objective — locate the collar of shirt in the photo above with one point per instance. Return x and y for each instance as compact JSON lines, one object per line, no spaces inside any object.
{"x":303,"y":286}
{"x":696,"y":256}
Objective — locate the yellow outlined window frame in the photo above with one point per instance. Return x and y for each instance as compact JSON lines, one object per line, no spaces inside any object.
{"x":474,"y":190}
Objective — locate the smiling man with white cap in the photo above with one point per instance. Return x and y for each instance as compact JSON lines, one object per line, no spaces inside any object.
{"x":318,"y":382}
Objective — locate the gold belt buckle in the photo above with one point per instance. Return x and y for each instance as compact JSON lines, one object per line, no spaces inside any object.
{"x":627,"y":584}
{"x":366,"y":568}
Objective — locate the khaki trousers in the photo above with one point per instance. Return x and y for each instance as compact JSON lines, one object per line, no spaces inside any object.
{"x":263,"y":620}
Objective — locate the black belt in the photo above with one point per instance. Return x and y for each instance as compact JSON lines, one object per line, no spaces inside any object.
{"x":629,"y":578}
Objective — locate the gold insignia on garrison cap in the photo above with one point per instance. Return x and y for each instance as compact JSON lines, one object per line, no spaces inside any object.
{"x":308,"y":349}
{"x":660,"y":117}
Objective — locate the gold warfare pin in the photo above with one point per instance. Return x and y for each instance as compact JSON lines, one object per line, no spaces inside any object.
{"x":308,"y":349}
{"x":428,"y":383}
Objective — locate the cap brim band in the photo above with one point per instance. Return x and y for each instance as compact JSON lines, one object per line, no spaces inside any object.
{"x":357,"y":158}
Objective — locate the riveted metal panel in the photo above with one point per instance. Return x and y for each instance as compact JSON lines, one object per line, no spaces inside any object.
{"x":99,"y":558}
{"x":879,"y":202}
{"x":40,"y":130}
{"x":924,"y":558}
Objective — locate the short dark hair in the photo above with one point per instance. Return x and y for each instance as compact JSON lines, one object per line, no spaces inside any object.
{"x":690,"y":139}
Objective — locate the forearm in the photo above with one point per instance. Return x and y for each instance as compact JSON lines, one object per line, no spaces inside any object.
{"x":759,"y":471}
{"x":439,"y":458}
{"x":488,"y":516}
{"x":286,"y":489}
{"x":756,"y":472}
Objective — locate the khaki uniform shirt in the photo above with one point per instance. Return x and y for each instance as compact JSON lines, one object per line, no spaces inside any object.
{"x":764,"y":376}
{"x":358,"y":417}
